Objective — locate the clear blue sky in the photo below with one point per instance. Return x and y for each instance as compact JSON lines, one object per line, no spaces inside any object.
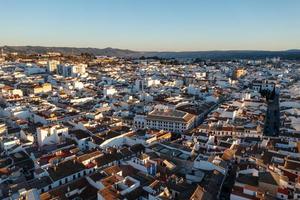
{"x":152,"y":24}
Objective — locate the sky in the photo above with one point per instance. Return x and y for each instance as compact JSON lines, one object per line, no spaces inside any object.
{"x":152,"y":25}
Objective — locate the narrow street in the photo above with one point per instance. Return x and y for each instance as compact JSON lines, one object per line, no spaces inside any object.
{"x":272,"y":121}
{"x":229,"y":182}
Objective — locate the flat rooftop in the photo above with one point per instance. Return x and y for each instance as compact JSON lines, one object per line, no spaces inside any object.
{"x":170,"y":115}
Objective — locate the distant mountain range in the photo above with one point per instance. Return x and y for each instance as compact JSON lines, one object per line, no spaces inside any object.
{"x":231,"y":54}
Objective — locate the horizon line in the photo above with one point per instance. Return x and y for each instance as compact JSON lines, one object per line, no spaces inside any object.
{"x":126,"y":49}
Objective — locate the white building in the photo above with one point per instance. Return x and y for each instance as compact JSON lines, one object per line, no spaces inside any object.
{"x":210,"y":164}
{"x":144,"y":163}
{"x":193,"y":90}
{"x":139,"y":121}
{"x":50,"y":135}
{"x":151,"y":82}
{"x":108,"y":91}
{"x":71,"y":70}
{"x":263,"y":85}
{"x":170,"y":120}
{"x":140,"y":85}
{"x":52,"y":65}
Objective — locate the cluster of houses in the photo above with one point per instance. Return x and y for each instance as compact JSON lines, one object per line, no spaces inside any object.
{"x":112,"y":128}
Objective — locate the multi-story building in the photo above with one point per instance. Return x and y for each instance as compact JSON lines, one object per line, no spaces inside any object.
{"x":71,"y":70}
{"x":108,"y":91}
{"x":239,"y":72}
{"x":44,"y":88}
{"x":170,"y":120}
{"x":263,"y":85}
{"x":52,"y":65}
{"x":3,"y":128}
{"x":50,"y":135}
